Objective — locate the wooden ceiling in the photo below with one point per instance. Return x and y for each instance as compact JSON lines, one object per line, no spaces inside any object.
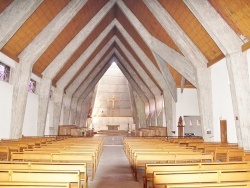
{"x":235,"y":13}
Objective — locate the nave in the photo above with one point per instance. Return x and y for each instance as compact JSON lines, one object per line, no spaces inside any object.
{"x":114,"y":170}
{"x":105,"y":161}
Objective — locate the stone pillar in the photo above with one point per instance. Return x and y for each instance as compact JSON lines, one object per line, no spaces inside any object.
{"x":66,"y":104}
{"x":154,"y":119}
{"x":86,"y":105}
{"x":160,"y":118}
{"x":44,"y":94}
{"x":73,"y":108}
{"x":204,"y":93}
{"x":20,"y":93}
{"x":58,"y":96}
{"x":240,"y":91}
{"x":140,"y":108}
{"x":134,"y":110}
{"x":170,"y":111}
{"x":78,"y":111}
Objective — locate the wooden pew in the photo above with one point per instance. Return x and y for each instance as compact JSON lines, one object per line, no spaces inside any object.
{"x":213,"y":185}
{"x":42,"y":176}
{"x":88,"y":158}
{"x":142,"y":159}
{"x":33,"y":185}
{"x":217,"y":176}
{"x":150,"y":168}
{"x":14,"y":165}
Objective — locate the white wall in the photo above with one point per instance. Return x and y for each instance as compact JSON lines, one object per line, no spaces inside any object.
{"x":31,"y":116}
{"x":6,"y":91}
{"x":222,"y":101}
{"x":187,"y":104}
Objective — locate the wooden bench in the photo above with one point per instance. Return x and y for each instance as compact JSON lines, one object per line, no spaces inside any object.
{"x":142,"y":159}
{"x":217,"y":176}
{"x":213,"y":185}
{"x":81,"y":167}
{"x":150,"y":168}
{"x":42,"y":176}
{"x":87,"y":158}
{"x":33,"y":185}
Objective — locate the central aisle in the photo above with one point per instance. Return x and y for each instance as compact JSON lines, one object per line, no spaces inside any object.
{"x":114,"y":170}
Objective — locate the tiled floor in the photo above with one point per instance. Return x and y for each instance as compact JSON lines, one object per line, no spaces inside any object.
{"x":114,"y":170}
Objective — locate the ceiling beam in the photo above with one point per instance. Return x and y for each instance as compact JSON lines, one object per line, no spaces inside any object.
{"x":149,"y":39}
{"x":145,"y":77}
{"x":183,"y":80}
{"x":94,"y":62}
{"x":62,"y":58}
{"x":91,"y":76}
{"x":222,"y":34}
{"x":141,"y":84}
{"x":167,"y":76}
{"x":156,"y":74}
{"x":12,"y":18}
{"x":133,"y":83}
{"x":70,"y":73}
{"x":183,"y":42}
{"x":95,"y":81}
{"x":42,"y":41}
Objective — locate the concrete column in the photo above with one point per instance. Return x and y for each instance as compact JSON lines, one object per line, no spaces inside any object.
{"x":133,"y":106}
{"x":29,"y":56}
{"x":58,"y":97}
{"x":20,"y":93}
{"x":14,"y":16}
{"x":66,"y":105}
{"x":153,"y":119}
{"x":78,"y":111}
{"x":140,"y":108}
{"x":195,"y":57}
{"x":230,"y":44}
{"x":204,"y":93}
{"x":85,"y":108}
{"x":148,"y":120}
{"x":73,"y":108}
{"x":160,"y":118}
{"x":240,"y":92}
{"x":170,"y":111}
{"x":44,"y":93}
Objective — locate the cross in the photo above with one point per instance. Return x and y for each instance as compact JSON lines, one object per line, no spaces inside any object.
{"x":113,"y":100}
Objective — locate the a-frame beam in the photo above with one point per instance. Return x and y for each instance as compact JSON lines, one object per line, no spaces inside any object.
{"x":12,"y":18}
{"x":230,"y":44}
{"x":82,"y":76}
{"x":56,"y":65}
{"x":133,"y":83}
{"x":134,"y":75}
{"x":29,"y":56}
{"x":145,"y":77}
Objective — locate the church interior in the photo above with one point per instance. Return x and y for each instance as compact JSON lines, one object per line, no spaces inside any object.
{"x":124,"y":93}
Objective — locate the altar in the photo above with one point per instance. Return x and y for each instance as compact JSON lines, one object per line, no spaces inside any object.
{"x":113,"y":127}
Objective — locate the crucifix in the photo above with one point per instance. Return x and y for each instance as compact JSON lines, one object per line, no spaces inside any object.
{"x":113,"y":100}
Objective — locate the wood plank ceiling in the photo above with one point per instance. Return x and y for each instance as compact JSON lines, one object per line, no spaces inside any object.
{"x":235,"y":13}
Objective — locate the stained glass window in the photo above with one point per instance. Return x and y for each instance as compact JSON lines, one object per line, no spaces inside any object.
{"x":32,"y":86}
{"x":4,"y":72}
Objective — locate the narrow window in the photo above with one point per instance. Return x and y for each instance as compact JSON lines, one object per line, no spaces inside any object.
{"x":4,"y":72}
{"x":32,"y":86}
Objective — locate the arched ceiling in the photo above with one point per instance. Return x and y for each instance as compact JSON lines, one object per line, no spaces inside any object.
{"x":235,"y":13}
